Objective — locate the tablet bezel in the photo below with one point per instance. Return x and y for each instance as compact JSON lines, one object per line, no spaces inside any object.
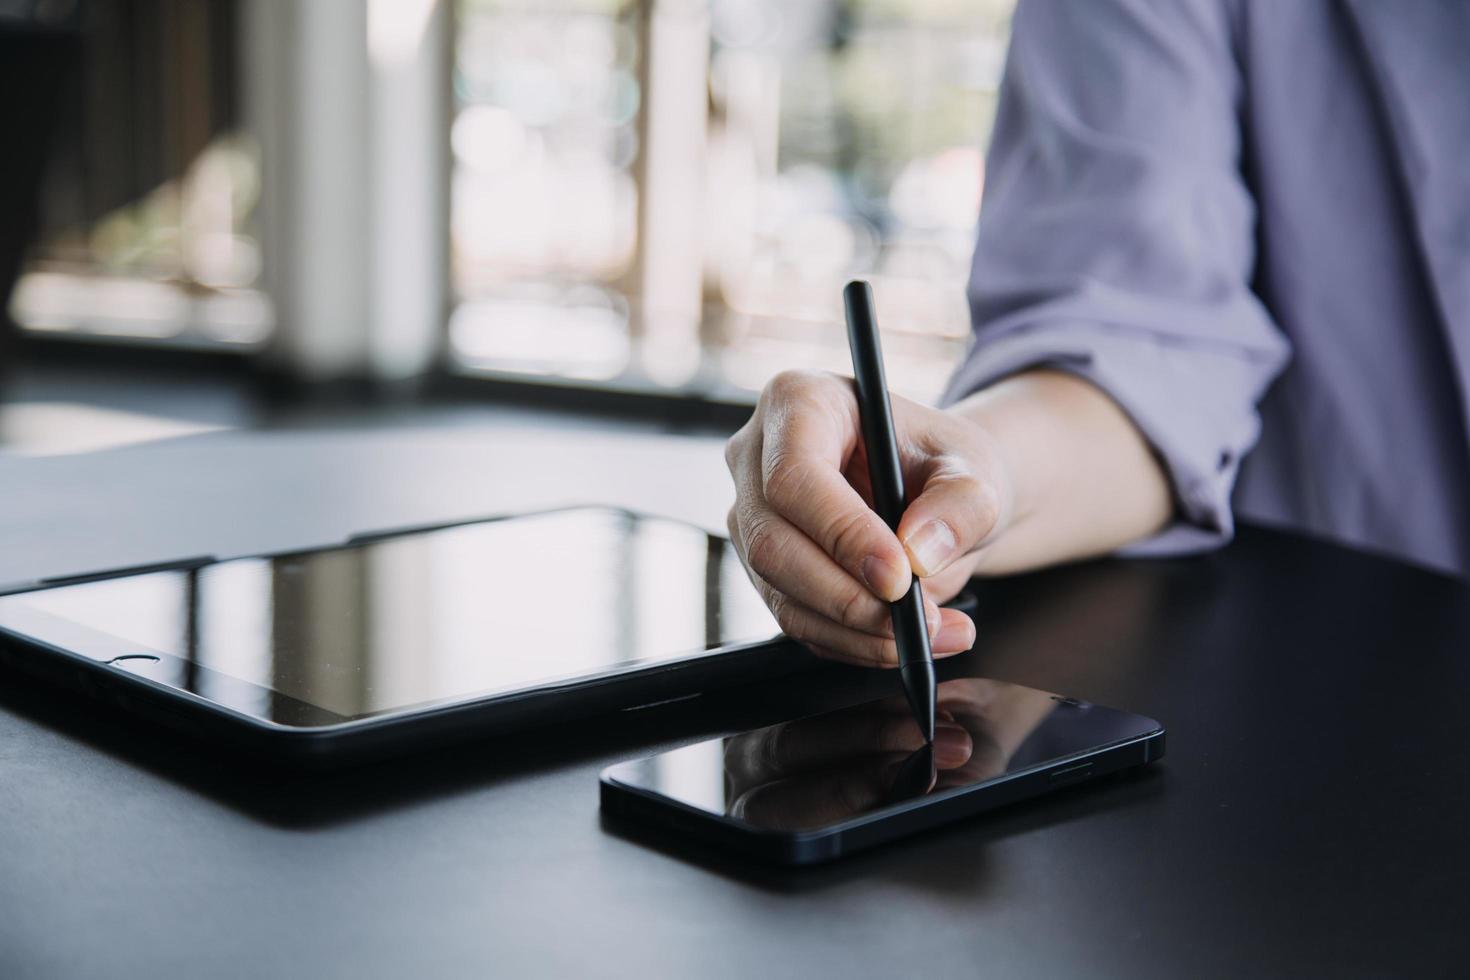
{"x":92,"y":665}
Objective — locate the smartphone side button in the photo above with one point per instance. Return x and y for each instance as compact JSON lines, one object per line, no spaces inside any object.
{"x":1079,"y":771}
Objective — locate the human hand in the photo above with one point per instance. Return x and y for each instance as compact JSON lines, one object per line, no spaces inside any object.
{"x":824,"y":562}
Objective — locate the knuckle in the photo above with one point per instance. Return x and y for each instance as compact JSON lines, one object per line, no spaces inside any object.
{"x":771,"y":598}
{"x":979,"y":505}
{"x":763,"y":548}
{"x":847,"y":533}
{"x":880,"y":651}
{"x":784,"y":479}
{"x":793,"y":384}
{"x":787,"y":616}
{"x":737,"y":447}
{"x":850,"y":608}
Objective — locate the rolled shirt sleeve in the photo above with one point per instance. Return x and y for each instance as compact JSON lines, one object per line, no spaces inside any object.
{"x":1117,"y":237}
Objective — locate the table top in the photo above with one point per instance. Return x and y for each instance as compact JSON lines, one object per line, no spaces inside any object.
{"x":1310,"y":817}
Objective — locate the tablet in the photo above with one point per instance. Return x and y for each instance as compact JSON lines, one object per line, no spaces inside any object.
{"x":400,"y":639}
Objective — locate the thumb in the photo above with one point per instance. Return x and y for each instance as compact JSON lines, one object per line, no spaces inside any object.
{"x":955,"y":513}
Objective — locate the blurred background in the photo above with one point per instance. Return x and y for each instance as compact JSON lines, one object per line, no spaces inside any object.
{"x":654,"y":202}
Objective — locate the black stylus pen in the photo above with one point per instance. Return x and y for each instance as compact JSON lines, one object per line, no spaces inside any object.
{"x":910,"y":631}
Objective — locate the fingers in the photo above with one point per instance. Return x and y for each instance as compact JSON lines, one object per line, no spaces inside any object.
{"x":948,"y":583}
{"x":954,"y":634}
{"x":950,"y":631}
{"x":953,"y":515}
{"x":824,"y":562}
{"x":818,"y":603}
{"x":794,"y":568}
{"x":809,"y":429}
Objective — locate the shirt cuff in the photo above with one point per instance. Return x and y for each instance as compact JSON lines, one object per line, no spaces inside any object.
{"x":1183,"y":398}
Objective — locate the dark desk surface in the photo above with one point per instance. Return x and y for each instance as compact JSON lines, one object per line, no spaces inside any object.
{"x":1310,"y":818}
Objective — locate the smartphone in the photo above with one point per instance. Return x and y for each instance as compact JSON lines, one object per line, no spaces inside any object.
{"x":818,"y":788}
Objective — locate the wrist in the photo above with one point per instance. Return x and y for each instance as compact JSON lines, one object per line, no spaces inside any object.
{"x":1082,"y":478}
{"x":992,"y":455}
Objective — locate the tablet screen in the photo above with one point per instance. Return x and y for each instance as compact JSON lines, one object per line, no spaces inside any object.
{"x":419,"y":618}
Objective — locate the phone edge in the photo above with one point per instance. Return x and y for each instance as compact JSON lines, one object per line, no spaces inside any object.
{"x":623,"y":801}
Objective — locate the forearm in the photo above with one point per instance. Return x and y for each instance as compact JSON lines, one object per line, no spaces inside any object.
{"x":1083,"y":481}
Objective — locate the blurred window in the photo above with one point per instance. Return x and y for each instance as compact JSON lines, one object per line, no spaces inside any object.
{"x":642,"y":193}
{"x":543,"y":214}
{"x":146,"y":214}
{"x":833,"y":140}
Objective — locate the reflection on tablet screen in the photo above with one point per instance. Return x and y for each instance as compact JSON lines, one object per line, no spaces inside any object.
{"x":431,"y":616}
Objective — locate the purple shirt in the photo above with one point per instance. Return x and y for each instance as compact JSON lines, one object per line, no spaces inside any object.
{"x":1249,"y":223}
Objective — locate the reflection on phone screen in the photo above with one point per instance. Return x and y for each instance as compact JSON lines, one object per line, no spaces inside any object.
{"x":819,"y":771}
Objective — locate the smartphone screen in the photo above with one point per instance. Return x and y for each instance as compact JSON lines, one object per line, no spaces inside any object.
{"x":827,"y":769}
